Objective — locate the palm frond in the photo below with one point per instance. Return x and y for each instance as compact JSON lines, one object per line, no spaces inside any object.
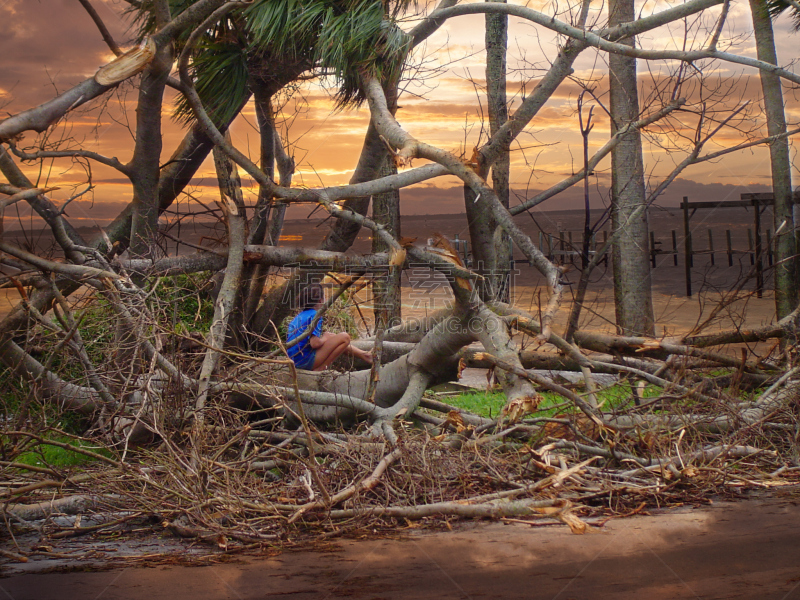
{"x":221,"y":78}
{"x":341,"y":37}
{"x":778,"y":7}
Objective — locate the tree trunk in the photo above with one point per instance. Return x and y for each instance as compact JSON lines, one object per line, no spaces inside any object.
{"x":482,"y":228}
{"x":343,"y":233}
{"x":145,"y":171}
{"x":785,"y":250}
{"x":496,"y":49}
{"x":254,"y":276}
{"x":232,"y":205}
{"x":279,"y":301}
{"x":632,"y":288}
{"x":266,"y":129}
{"x":386,"y":290}
{"x":435,"y":358}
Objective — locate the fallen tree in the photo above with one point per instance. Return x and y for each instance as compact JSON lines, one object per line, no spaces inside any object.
{"x":231,"y":426}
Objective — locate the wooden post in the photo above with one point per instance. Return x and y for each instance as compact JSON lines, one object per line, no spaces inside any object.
{"x":571,"y":248}
{"x":711,"y":246}
{"x":769,"y":247}
{"x":687,"y":246}
{"x":674,"y":248}
{"x":757,"y":233}
{"x":605,"y":241}
{"x":729,"y":245}
{"x":750,"y":247}
{"x":653,"y":249}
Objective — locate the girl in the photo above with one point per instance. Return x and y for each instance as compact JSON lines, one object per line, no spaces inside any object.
{"x":319,"y":350}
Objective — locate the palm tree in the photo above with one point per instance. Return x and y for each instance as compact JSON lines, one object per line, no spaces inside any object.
{"x":337,"y":39}
{"x":270,"y":44}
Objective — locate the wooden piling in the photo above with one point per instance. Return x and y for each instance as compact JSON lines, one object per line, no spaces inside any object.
{"x":687,"y":246}
{"x":653,"y":249}
{"x":769,"y":247}
{"x":757,"y":233}
{"x":674,"y":248}
{"x":711,"y":246}
{"x":729,"y":246}
{"x":571,"y":249}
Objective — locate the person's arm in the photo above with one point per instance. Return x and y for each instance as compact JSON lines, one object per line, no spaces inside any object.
{"x":317,"y":341}
{"x":318,"y":337}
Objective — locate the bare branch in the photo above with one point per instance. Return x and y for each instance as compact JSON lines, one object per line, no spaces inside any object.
{"x":70,"y":270}
{"x":107,"y":38}
{"x":112,"y":162}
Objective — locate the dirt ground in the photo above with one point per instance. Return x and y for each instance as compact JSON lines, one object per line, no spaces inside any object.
{"x":747,"y":549}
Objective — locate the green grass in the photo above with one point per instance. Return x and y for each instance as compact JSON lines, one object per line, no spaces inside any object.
{"x":52,"y":456}
{"x":486,"y":404}
{"x":183,"y":303}
{"x":490,"y":403}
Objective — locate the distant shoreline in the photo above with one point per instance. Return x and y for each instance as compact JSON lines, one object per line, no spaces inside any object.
{"x":675,"y":212}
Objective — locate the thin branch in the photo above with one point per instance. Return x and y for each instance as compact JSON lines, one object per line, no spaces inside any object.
{"x":112,"y":162}
{"x":107,"y":37}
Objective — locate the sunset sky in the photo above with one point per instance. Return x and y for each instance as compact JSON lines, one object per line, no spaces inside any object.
{"x":50,"y":45}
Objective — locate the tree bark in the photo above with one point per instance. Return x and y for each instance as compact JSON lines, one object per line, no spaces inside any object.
{"x":386,"y":290}
{"x":482,"y":228}
{"x":435,"y":355}
{"x":343,"y":233}
{"x":232,"y":205}
{"x":496,"y":50}
{"x":254,"y":275}
{"x":145,"y":172}
{"x":632,"y":286}
{"x":278,"y":302}
{"x":786,"y":262}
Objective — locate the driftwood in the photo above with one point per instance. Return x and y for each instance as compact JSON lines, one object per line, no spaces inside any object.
{"x":69,"y":505}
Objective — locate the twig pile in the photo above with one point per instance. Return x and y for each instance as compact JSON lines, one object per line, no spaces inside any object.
{"x":244,"y":480}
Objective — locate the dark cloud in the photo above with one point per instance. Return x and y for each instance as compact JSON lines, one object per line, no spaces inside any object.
{"x":47,"y":43}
